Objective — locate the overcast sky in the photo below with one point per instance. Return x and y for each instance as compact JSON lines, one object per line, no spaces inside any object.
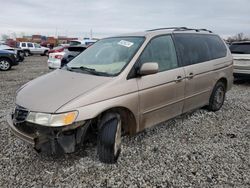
{"x":110,"y":17}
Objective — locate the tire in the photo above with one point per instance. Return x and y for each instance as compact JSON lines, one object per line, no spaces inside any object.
{"x":109,"y":138}
{"x":26,"y":53}
{"x":217,"y":97}
{"x":5,"y":64}
{"x":46,"y":53}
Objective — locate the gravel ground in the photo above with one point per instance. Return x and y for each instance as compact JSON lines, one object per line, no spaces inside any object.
{"x":198,"y":149}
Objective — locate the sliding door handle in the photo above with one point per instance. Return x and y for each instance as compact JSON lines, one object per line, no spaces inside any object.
{"x":178,"y":79}
{"x":190,"y":76}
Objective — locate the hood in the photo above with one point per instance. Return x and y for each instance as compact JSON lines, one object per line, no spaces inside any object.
{"x":6,"y":52}
{"x":51,"y":91}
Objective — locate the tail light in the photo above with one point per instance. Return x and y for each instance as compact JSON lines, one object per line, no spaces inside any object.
{"x":60,"y":50}
{"x":58,"y":56}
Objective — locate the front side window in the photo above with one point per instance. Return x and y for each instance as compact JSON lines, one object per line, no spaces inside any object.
{"x":240,"y":48}
{"x":107,"y":56}
{"x":162,"y":51}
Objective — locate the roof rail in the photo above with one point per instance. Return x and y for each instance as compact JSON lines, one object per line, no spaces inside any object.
{"x":163,"y":28}
{"x":181,"y":29}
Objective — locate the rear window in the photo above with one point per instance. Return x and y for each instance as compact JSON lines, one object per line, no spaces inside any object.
{"x":240,"y":48}
{"x":197,"y":48}
{"x":73,"y":43}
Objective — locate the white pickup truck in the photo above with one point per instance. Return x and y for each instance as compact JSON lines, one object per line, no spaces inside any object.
{"x":30,"y":48}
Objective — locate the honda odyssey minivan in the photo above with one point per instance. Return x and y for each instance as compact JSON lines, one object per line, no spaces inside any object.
{"x":123,"y":85}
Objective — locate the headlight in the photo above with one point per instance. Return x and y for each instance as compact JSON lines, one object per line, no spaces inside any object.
{"x":53,"y":120}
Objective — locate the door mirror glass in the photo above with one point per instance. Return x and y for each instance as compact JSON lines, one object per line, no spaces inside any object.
{"x":148,"y":68}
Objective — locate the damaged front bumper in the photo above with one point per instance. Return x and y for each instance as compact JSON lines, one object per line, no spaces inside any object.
{"x":53,"y":139}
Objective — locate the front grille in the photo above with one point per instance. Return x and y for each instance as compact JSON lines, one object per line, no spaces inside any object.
{"x":20,"y":114}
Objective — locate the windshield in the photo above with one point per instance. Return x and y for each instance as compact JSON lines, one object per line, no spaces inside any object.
{"x":109,"y":55}
{"x":240,"y":48}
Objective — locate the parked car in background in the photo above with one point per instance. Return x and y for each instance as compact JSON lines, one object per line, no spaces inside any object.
{"x":71,"y":52}
{"x":54,"y":60}
{"x":19,"y":52}
{"x":86,"y":42}
{"x":33,"y":48}
{"x":59,"y":59}
{"x":7,"y":60}
{"x":59,"y":48}
{"x":241,"y":56}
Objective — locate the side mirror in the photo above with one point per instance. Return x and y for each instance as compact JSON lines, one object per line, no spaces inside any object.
{"x":148,"y":68}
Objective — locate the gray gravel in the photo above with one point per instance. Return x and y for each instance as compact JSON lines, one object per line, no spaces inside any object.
{"x":198,"y":149}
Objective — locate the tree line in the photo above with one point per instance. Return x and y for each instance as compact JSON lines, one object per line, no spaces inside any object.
{"x":238,"y":37}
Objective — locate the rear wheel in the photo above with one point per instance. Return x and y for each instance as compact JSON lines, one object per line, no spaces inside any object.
{"x":46,"y":53}
{"x":26,"y":53}
{"x":109,"y":138}
{"x":217,"y":97}
{"x":5,"y":64}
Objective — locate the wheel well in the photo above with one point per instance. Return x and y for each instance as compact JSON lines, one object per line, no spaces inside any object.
{"x":224,"y":81}
{"x":6,"y":58}
{"x":127,"y":117}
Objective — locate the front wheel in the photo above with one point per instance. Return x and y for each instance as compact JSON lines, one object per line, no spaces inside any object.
{"x":217,"y":97}
{"x":5,"y":64}
{"x":109,"y":138}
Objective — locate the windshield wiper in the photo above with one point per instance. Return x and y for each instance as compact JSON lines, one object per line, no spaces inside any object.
{"x":89,"y":70}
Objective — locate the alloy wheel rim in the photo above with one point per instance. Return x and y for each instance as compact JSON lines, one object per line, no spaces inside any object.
{"x":4,"y":65}
{"x":118,"y":134}
{"x":219,"y":96}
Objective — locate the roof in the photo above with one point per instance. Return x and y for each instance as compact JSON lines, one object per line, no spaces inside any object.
{"x":167,"y":30}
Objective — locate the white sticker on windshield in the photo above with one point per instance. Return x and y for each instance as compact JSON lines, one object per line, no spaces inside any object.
{"x":126,"y":43}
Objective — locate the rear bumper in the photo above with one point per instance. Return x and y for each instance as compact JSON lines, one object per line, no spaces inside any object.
{"x":54,"y":64}
{"x":241,"y":73}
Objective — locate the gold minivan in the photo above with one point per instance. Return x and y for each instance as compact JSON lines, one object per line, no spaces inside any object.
{"x":123,"y":85}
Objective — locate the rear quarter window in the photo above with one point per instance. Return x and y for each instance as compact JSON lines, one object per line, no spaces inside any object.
{"x":198,"y":48}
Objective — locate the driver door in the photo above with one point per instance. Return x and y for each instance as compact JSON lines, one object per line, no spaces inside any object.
{"x":161,"y":95}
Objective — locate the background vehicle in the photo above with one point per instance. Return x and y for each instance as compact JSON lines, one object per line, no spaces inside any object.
{"x":30,"y":48}
{"x":71,"y":52}
{"x":58,"y":49}
{"x":19,"y":52}
{"x":7,"y":60}
{"x":59,"y":59}
{"x":86,"y":42}
{"x":123,"y":85}
{"x":54,"y":61}
{"x":241,"y":56}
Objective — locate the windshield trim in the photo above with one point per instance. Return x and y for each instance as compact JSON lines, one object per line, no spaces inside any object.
{"x":132,"y":56}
